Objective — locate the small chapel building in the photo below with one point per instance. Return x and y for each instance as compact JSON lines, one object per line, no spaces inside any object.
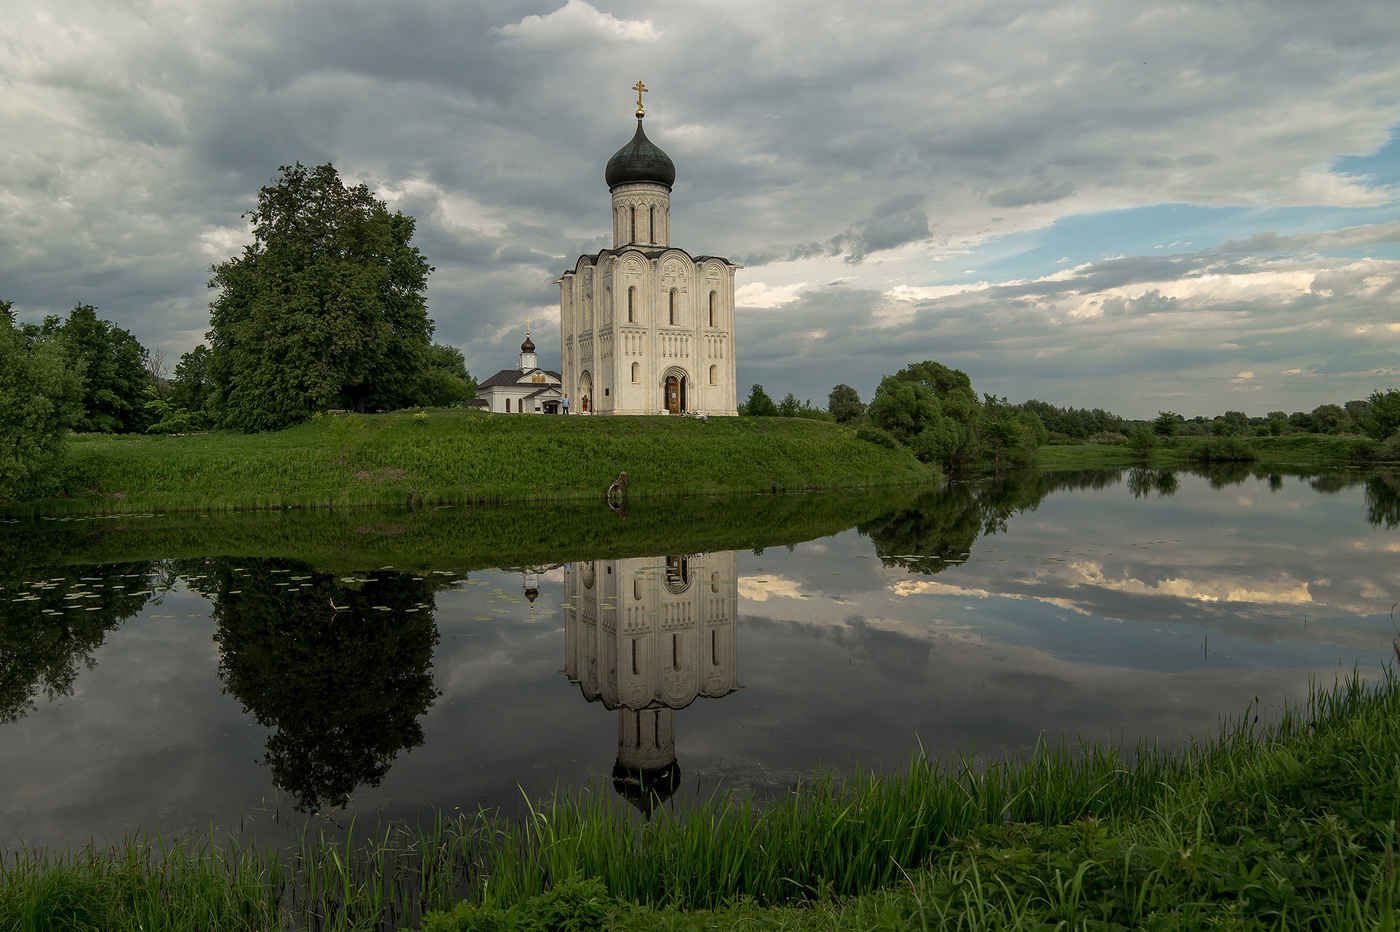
{"x":526,"y":389}
{"x":645,"y":327}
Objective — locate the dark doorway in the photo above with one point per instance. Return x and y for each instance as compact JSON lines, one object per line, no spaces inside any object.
{"x":675,"y":394}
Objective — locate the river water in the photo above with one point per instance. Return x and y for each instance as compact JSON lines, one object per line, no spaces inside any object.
{"x":159,"y":672}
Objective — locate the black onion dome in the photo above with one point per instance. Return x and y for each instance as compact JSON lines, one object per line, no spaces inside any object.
{"x":640,"y":160}
{"x":527,"y":346}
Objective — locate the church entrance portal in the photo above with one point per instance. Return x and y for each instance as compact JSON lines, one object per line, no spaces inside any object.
{"x":675,"y":394}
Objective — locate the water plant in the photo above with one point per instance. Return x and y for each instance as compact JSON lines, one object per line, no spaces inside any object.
{"x":1285,"y":823}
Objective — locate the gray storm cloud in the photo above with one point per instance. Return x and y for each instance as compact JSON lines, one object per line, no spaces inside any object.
{"x":898,"y":144}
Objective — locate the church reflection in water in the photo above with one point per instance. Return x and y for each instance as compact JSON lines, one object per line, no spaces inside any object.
{"x":646,"y":637}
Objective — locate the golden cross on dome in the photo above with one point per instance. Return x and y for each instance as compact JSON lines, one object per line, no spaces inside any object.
{"x":640,"y":88}
{"x":527,"y":328}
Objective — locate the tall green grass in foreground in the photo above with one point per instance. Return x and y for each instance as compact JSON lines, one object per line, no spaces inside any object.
{"x":1282,"y":825}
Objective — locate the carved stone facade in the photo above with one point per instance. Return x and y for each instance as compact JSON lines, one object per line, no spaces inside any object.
{"x":646,"y":328}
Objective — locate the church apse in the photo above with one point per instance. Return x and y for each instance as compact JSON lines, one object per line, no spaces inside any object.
{"x":646,"y":637}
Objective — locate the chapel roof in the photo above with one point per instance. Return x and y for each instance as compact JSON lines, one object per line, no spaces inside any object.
{"x":640,"y":160}
{"x":512,"y":377}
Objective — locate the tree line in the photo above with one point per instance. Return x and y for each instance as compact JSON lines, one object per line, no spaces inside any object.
{"x":325,"y":308}
{"x":932,"y":410}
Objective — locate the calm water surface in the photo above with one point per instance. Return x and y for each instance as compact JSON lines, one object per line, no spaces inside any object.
{"x":228,"y":690}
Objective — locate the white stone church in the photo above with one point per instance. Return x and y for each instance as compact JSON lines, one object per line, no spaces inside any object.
{"x":645,"y":327}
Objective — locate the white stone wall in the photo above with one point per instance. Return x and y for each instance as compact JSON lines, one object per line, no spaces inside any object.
{"x":645,"y":318}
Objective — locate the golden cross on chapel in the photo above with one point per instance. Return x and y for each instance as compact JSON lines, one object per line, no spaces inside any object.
{"x":527,"y":328}
{"x":641,"y":89}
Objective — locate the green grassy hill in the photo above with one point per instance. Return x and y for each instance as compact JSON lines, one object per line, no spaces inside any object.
{"x":441,"y":456}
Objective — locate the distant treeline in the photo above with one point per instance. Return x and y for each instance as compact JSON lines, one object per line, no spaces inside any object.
{"x":932,"y":410}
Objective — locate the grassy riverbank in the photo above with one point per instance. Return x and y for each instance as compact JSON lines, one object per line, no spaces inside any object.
{"x":454,"y":456}
{"x":1182,"y":452}
{"x":1289,"y":824}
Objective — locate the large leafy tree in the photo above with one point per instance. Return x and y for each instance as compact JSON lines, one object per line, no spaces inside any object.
{"x":759,"y":403}
{"x":845,"y":405}
{"x":1383,"y":414}
{"x":39,"y":402}
{"x":116,"y":383}
{"x":325,"y":305}
{"x":444,"y":379}
{"x":932,"y":410}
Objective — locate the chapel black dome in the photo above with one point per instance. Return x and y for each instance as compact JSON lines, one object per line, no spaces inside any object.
{"x":640,"y":160}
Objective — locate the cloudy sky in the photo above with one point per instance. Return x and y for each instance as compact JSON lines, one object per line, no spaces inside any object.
{"x":1190,"y":206}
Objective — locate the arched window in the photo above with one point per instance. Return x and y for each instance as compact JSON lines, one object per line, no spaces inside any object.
{"x":634,"y":224}
{"x":637,"y":371}
{"x":632,"y":304}
{"x":507,"y":406}
{"x":712,"y":309}
{"x":651,"y":224}
{"x":714,"y":375}
{"x":673,"y":307}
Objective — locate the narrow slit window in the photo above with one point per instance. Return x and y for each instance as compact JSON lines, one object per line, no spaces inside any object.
{"x":675,"y":652}
{"x":635,"y":671}
{"x":714,"y":647}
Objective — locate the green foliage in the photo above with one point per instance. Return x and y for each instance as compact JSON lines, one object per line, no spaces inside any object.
{"x":844,"y":405}
{"x":1167,"y":423}
{"x":325,"y":305}
{"x":1142,"y":441}
{"x":116,"y":385}
{"x":877,"y":436}
{"x":1383,"y":414}
{"x":191,"y":386}
{"x":1331,"y":419}
{"x":1109,"y":438}
{"x":1006,"y":432}
{"x":444,"y":380}
{"x":759,"y":404}
{"x":1294,"y":818}
{"x":1221,"y":450}
{"x":1074,"y":423}
{"x":40,"y":396}
{"x":932,"y":410}
{"x":466,"y":456}
{"x":172,"y":420}
{"x":1302,"y":420}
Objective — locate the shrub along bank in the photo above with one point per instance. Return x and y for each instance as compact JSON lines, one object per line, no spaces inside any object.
{"x":1282,"y":825}
{"x":1180,"y":452}
{"x":442,"y":456}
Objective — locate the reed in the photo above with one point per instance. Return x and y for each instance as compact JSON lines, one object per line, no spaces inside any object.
{"x":1288,"y":823}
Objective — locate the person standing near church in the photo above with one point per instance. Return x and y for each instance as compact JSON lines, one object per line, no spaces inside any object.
{"x":564,"y":406}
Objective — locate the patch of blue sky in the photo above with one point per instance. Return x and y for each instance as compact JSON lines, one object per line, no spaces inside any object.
{"x":1161,"y":229}
{"x":1381,"y":168}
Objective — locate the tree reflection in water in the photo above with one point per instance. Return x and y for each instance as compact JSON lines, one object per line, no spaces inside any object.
{"x":341,"y":670}
{"x":939,"y":529}
{"x":50,"y":627}
{"x":1383,"y":499}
